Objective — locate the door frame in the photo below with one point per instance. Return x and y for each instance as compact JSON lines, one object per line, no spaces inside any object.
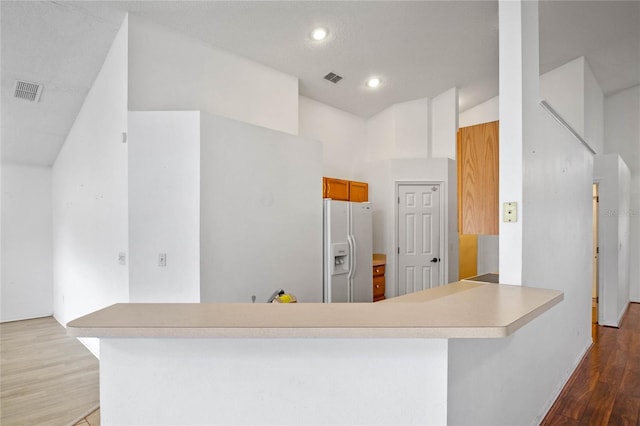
{"x":444,"y":263}
{"x":601,"y":290}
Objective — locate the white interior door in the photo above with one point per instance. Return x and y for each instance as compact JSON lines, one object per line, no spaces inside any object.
{"x":419,"y":230}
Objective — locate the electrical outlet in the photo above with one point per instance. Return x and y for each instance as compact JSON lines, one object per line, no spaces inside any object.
{"x":162,"y":259}
{"x":122,"y":258}
{"x":510,"y":212}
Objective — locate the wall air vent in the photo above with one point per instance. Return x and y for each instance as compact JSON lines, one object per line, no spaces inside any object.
{"x":27,"y":91}
{"x":333,"y":77}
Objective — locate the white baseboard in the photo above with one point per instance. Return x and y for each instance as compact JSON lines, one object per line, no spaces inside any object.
{"x":563,"y":383}
{"x":27,"y":317}
{"x":624,"y":311}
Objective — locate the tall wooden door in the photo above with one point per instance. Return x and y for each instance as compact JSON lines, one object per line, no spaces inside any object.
{"x":419,"y":230}
{"x":478,"y":178}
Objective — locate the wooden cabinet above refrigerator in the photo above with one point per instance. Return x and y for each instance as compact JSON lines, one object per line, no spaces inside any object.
{"x":344,"y":190}
{"x":478,"y":179}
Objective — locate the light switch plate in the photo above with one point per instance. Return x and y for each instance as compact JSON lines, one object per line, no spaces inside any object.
{"x":510,"y":212}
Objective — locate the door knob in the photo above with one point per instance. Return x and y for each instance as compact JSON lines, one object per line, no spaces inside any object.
{"x":435,"y":260}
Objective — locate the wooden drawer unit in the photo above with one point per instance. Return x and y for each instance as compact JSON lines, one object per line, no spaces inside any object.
{"x":378,"y":283}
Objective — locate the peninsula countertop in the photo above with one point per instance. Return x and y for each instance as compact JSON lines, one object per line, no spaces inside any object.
{"x":462,"y":309}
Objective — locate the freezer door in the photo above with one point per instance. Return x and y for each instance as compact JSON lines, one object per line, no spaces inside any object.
{"x":335,"y":252}
{"x":337,"y":289}
{"x":362,"y":236}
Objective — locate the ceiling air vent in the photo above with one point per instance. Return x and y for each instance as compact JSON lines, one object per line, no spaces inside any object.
{"x":333,"y":77}
{"x":28,"y":91}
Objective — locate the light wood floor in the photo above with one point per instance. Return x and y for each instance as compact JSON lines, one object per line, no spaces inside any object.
{"x":46,"y":377}
{"x":92,"y":419}
{"x":605,"y":388}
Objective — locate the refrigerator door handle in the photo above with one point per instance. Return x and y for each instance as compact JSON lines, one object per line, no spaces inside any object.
{"x":354,"y":251}
{"x":352,"y":265}
{"x":351,"y":262}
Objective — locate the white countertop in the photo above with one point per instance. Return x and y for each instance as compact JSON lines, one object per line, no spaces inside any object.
{"x":456,"y":310}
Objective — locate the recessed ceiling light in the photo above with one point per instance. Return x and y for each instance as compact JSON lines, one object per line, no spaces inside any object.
{"x":373,"y":82}
{"x":319,"y":34}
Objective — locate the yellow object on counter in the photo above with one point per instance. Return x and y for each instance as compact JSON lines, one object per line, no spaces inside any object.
{"x":285,"y":298}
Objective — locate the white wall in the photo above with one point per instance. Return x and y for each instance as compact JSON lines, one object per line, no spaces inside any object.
{"x":380,"y":136}
{"x":488,"y":254}
{"x":149,"y":66}
{"x":518,"y":81}
{"x":422,"y":128}
{"x":515,"y":380}
{"x":274,"y":381}
{"x":411,"y":128}
{"x":452,"y":242}
{"x":622,"y":136}
{"x":382,"y":177}
{"x":563,"y":89}
{"x":486,"y":112}
{"x":171,"y":71}
{"x":593,"y":111}
{"x":400,"y":131}
{"x":624,"y":184}
{"x":574,"y":93}
{"x":164,"y":206}
{"x":90,"y":197}
{"x":260,"y":213}
{"x":27,"y":286}
{"x":613,"y":178}
{"x":444,"y":124}
{"x":343,"y":136}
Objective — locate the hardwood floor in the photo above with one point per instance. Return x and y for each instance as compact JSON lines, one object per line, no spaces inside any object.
{"x":605,"y":388}
{"x":46,"y":377}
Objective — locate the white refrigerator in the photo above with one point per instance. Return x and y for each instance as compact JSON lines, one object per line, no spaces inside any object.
{"x":347,"y":252}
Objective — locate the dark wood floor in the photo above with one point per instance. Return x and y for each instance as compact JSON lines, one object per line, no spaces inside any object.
{"x":605,"y":388}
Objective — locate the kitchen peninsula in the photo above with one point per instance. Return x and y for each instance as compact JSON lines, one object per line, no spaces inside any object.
{"x":382,"y":363}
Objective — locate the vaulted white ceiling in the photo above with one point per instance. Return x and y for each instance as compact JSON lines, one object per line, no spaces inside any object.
{"x":418,"y":48}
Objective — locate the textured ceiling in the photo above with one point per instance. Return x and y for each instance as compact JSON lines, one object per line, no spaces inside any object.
{"x":418,"y":48}
{"x":607,"y":33}
{"x":62,"y":47}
